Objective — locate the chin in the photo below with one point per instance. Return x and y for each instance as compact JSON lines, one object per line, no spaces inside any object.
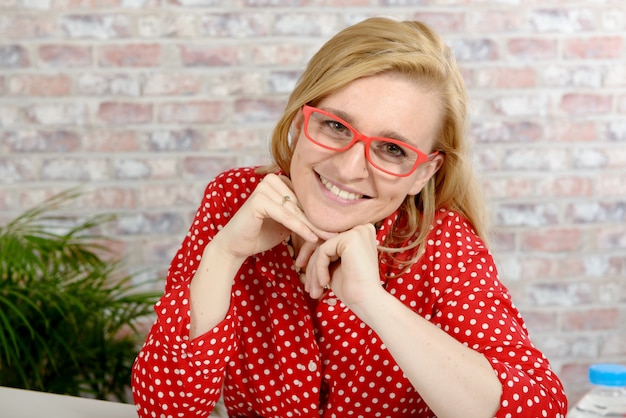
{"x":331,"y":223}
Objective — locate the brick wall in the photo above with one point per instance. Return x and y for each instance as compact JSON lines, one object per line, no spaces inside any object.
{"x":144,"y":101}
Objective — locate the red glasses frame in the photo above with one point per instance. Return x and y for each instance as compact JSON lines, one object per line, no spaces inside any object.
{"x":357,"y":136}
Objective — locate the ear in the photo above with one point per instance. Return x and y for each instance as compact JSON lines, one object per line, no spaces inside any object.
{"x":425,"y":172}
{"x":296,"y":127}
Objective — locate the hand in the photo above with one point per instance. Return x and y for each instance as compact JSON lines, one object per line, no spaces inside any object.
{"x":268,"y":217}
{"x":348,"y":263}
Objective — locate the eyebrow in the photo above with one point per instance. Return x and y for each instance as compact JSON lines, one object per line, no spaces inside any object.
{"x":385,"y":134}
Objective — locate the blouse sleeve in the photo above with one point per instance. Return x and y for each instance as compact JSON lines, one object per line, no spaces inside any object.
{"x":473,"y":306}
{"x":169,"y":359}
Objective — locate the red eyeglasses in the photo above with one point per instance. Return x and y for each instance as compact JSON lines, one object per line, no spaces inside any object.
{"x":388,"y":155}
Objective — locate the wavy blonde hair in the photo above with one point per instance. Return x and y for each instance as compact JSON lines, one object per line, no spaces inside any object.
{"x":412,"y":49}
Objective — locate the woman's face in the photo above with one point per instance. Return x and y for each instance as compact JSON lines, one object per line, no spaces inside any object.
{"x":339,"y":190}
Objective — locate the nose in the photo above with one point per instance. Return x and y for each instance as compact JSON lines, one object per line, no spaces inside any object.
{"x":352,"y":163}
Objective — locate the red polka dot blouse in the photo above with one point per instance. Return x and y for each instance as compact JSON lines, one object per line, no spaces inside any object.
{"x":277,"y":353}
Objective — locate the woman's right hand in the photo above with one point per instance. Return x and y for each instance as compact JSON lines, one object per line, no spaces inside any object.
{"x":269,"y":216}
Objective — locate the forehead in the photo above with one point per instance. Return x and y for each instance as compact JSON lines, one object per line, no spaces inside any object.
{"x":387,"y":104}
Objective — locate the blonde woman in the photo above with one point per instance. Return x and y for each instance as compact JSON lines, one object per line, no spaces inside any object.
{"x":352,"y":277}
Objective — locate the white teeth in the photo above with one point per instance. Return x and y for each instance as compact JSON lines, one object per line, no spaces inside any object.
{"x":338,"y":192}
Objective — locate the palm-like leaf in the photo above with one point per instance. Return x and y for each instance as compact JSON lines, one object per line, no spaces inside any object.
{"x":67,"y":313}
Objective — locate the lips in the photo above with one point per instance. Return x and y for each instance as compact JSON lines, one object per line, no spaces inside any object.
{"x":342,"y":194}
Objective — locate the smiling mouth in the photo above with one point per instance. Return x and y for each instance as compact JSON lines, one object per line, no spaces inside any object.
{"x":342,"y":194}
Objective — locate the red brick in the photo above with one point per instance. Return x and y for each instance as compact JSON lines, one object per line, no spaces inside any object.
{"x":25,"y":26}
{"x":283,"y":54}
{"x":486,"y":20}
{"x":566,"y":187}
{"x":257,"y":110}
{"x":207,"y":167}
{"x":236,"y":84}
{"x":506,"y":77}
{"x":552,"y":240}
{"x":584,"y":104}
{"x":443,"y":22}
{"x":111,"y":198}
{"x":209,"y":56}
{"x":503,"y":240}
{"x":165,"y":195}
{"x":39,"y":85}
{"x":108,"y":140}
{"x":192,"y":112}
{"x":118,"y":112}
{"x":74,"y":169}
{"x":134,"y":55}
{"x":594,"y":48}
{"x":166,"y":84}
{"x":541,"y":49}
{"x":234,"y":139}
{"x":539,"y":268}
{"x":35,"y":141}
{"x":502,"y":188}
{"x":591,"y":319}
{"x":65,"y":55}
{"x":568,"y":130}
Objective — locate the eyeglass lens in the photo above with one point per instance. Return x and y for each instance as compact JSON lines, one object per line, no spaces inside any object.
{"x":386,"y":154}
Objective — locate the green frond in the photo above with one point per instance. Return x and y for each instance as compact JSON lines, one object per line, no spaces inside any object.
{"x":68,"y":313}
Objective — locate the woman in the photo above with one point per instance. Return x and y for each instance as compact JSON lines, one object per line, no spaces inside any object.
{"x":351,"y":278}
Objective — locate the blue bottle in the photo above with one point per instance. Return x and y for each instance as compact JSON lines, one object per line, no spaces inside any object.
{"x":607,"y":396}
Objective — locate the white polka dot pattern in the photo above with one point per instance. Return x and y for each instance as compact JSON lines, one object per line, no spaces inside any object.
{"x":280,"y":354}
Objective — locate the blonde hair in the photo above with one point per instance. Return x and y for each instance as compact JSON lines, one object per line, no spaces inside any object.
{"x":412,"y":49}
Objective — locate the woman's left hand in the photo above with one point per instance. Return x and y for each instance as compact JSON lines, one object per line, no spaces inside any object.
{"x":348,"y":263}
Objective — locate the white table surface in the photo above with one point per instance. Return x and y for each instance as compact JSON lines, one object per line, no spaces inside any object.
{"x":19,"y":403}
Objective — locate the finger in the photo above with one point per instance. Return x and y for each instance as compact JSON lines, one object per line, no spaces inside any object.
{"x":287,"y":198}
{"x":319,"y":268}
{"x":305,"y":253}
{"x":278,"y":202}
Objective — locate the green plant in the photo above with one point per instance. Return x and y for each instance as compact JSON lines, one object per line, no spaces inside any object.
{"x":69,"y":317}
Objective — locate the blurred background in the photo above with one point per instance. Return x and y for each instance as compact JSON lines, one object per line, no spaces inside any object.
{"x":142,"y":102}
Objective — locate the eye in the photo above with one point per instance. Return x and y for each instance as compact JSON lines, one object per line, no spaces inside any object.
{"x":392,"y":149}
{"x":337,"y":127}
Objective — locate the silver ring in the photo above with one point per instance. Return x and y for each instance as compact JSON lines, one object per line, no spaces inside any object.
{"x":327,"y":287}
{"x":286,"y":199}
